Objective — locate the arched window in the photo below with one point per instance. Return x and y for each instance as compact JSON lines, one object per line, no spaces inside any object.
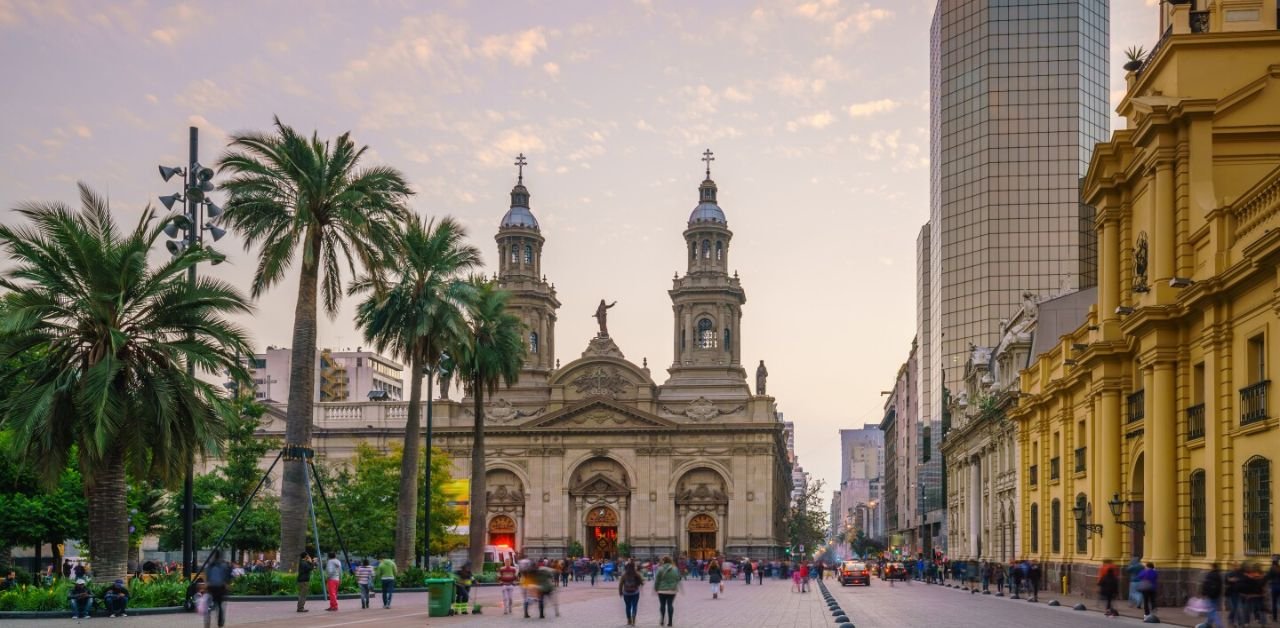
{"x":728,"y":340}
{"x":1035,"y":528}
{"x":515,"y":254}
{"x":706,"y":334}
{"x":1199,"y":535}
{"x":1055,"y":526}
{"x":693,"y":250}
{"x":528,"y":254}
{"x":1082,"y":534}
{"x":533,"y":342}
{"x":719,"y":250}
{"x":1257,"y":506}
{"x":706,"y":249}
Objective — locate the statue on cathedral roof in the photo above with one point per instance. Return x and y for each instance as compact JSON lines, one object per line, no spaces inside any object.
{"x":602,"y":316}
{"x":762,"y":374}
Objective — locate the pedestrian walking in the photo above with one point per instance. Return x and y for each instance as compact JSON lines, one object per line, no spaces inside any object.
{"x":759,"y":569}
{"x":1252,"y":591}
{"x":364,"y":580}
{"x":1148,"y":586}
{"x":507,"y":578}
{"x":629,"y":586}
{"x":1015,"y":580}
{"x":1109,"y":585}
{"x":546,"y":591}
{"x":1273,"y":581}
{"x":386,"y":573}
{"x":747,"y":569}
{"x":666,"y":583}
{"x":463,"y":580}
{"x":804,"y":577}
{"x":1211,"y":593}
{"x":1132,"y":570}
{"x":306,"y":564}
{"x":1035,"y":573}
{"x":795,"y":581}
{"x":714,"y":576}
{"x":218,"y":579}
{"x":997,"y":570}
{"x":333,"y":576}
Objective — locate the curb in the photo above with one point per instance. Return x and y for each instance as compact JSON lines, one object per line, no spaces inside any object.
{"x":167,"y":610}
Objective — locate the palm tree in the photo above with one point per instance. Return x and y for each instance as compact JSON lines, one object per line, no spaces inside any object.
{"x":117,"y":334}
{"x":303,"y":198}
{"x":417,"y":315}
{"x":493,"y":352}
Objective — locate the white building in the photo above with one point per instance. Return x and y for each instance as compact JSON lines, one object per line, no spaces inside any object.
{"x":861,"y":473}
{"x":340,"y":376}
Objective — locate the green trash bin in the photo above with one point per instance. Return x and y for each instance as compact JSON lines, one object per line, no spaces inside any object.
{"x":439,"y":596}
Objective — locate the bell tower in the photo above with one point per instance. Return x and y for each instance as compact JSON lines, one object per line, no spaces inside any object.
{"x":534,"y":300}
{"x":707,"y":302}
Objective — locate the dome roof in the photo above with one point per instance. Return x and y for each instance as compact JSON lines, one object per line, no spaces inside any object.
{"x":519,"y":217}
{"x":707,"y":212}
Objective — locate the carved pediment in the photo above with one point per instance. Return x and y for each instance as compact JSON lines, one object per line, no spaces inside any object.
{"x":502,"y":411}
{"x":599,"y":485}
{"x":600,"y":381}
{"x":702,"y":409}
{"x":505,"y":495}
{"x":597,"y":414}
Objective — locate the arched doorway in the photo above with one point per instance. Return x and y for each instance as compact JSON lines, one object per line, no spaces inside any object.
{"x":602,"y":533}
{"x":600,"y":498}
{"x":702,"y":502}
{"x":702,"y":531}
{"x":1137,"y":535}
{"x":502,"y":532}
{"x":506,"y":508}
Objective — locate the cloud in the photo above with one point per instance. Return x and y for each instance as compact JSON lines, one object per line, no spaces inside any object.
{"x":206,"y":95}
{"x":859,"y":22}
{"x":166,"y":36}
{"x":733,"y":94}
{"x":151,"y":98}
{"x":796,"y":86}
{"x":818,"y":120}
{"x":551,"y":68}
{"x":519,"y":48}
{"x":509,"y":142}
{"x":872,"y":107}
{"x":82,"y":131}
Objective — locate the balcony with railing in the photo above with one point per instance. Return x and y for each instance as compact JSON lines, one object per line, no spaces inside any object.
{"x":1136,"y":406}
{"x":1195,"y":422}
{"x":1033,"y":474}
{"x":1253,"y":402}
{"x":1055,"y":468}
{"x":1080,"y":459}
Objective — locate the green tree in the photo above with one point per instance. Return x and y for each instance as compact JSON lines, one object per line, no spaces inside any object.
{"x":864,"y":545}
{"x":118,"y":334}
{"x":308,"y":200}
{"x":807,"y":519}
{"x":417,"y":315}
{"x":493,"y":353}
{"x":32,"y":514}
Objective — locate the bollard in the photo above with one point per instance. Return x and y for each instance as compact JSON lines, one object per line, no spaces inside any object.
{"x":1064,"y":584}
{"x":1054,"y":603}
{"x":1079,"y":607}
{"x":840,"y":619}
{"x":1151,"y":619}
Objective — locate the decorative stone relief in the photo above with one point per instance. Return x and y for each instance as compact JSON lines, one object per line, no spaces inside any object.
{"x":702,"y":409}
{"x":600,"y":382}
{"x":751,"y":496}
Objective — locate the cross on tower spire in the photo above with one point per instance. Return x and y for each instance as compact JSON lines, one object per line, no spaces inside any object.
{"x":520,"y":164}
{"x":707,"y":157}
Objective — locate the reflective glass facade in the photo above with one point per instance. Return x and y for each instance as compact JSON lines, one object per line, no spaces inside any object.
{"x":1018,"y":99}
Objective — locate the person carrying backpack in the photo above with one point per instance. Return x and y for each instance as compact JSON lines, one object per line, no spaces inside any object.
{"x":629,"y":586}
{"x":1109,"y":585}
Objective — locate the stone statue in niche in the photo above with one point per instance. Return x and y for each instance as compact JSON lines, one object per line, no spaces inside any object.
{"x":762,"y":374}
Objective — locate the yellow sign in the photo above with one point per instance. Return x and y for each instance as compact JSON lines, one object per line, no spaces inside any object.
{"x":457,"y":494}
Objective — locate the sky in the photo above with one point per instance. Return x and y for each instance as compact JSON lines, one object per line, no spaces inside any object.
{"x":817,"y":111}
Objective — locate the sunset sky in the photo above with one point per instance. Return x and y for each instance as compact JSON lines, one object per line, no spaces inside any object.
{"x":817,"y":112}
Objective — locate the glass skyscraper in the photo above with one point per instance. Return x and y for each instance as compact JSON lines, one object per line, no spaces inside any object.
{"x":1019,"y":97}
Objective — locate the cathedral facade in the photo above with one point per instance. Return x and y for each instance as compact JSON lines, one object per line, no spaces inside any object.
{"x":595,"y":451}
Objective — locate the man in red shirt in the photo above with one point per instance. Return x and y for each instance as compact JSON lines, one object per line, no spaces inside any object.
{"x":507,"y":578}
{"x":804,"y":577}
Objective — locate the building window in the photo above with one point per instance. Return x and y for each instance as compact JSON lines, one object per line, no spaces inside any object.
{"x":515,"y":254}
{"x":1256,"y":353}
{"x":706,"y":334}
{"x":728,"y":340}
{"x":1082,"y":535}
{"x":719,"y":250}
{"x":693,"y":250}
{"x":1198,"y":533}
{"x":1035,"y":528}
{"x":528,"y":254}
{"x":1055,"y":526}
{"x":706,"y":249}
{"x":1257,"y":506}
{"x":533,"y":342}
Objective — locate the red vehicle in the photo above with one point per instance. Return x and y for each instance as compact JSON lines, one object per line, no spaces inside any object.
{"x":854,"y":572}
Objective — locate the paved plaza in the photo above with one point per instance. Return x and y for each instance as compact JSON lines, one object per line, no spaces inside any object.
{"x":772,"y":605}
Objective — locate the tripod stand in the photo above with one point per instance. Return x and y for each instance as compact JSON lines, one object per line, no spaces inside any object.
{"x":290,"y":452}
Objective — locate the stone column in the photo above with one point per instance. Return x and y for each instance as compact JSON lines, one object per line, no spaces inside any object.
{"x":1161,"y":438}
{"x":1162,"y":217}
{"x":975,"y":505}
{"x":1109,"y":441}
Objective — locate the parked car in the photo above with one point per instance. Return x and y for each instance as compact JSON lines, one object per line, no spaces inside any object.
{"x":894,"y":571}
{"x":854,"y":572}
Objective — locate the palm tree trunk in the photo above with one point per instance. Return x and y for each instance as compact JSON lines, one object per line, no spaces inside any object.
{"x":479,"y":504}
{"x":108,"y":519}
{"x":407,"y":508}
{"x":298,"y":416}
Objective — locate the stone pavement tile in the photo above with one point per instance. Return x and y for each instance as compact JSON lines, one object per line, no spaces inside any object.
{"x":1169,"y":615}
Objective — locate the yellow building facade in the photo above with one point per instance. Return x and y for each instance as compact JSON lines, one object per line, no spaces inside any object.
{"x":1150,"y":430}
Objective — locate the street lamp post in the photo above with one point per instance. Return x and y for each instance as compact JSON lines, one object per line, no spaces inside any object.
{"x":197,"y":182}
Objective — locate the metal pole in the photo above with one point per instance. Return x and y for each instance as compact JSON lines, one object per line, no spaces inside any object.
{"x":242,"y":509}
{"x":188,"y":483}
{"x":426,"y":504}
{"x":311,"y":507}
{"x":332,"y":520}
